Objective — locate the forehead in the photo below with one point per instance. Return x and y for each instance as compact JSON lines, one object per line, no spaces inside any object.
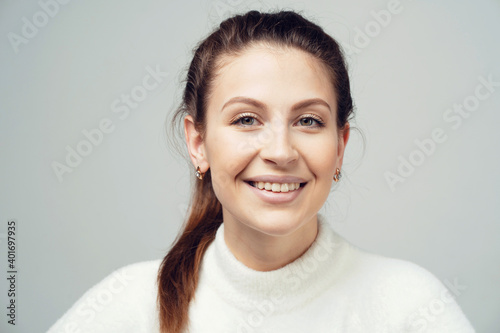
{"x":271,"y":73}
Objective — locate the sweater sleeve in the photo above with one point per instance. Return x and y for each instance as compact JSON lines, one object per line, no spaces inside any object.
{"x":424,"y":303}
{"x":125,"y":301}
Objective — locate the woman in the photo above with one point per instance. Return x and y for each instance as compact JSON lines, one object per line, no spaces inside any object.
{"x":265,"y":112}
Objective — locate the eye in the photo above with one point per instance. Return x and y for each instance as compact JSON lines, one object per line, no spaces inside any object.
{"x":310,"y":121}
{"x":244,"y":120}
{"x":247,"y":120}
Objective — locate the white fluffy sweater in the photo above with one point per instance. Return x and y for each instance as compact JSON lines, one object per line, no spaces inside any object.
{"x":333,"y":287}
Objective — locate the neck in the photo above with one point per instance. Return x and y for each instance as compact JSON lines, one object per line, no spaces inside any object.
{"x":264,"y":252}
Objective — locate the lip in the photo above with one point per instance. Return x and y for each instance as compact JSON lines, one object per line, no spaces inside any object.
{"x":276,"y":197}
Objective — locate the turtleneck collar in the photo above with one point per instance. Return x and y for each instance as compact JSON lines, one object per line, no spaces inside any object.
{"x":290,"y":285}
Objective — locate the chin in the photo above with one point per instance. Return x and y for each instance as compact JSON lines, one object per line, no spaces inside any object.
{"x":277,"y":223}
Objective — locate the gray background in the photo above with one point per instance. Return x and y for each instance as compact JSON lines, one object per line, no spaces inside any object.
{"x":126,"y":200}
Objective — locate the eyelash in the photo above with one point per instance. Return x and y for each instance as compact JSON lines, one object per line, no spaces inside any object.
{"x":237,"y":120}
{"x":319,"y":122}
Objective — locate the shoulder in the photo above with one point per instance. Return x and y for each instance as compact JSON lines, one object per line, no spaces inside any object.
{"x":110,"y":305}
{"x":138,"y":280}
{"x":394,"y":273}
{"x":408,"y":295}
{"x":375,"y":271}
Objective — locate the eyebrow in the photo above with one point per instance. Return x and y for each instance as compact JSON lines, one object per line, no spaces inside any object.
{"x":297,"y":106}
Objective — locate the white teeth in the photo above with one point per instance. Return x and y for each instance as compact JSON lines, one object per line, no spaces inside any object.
{"x":277,"y":187}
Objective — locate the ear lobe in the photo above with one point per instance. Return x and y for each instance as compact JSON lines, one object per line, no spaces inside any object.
{"x":195,"y":145}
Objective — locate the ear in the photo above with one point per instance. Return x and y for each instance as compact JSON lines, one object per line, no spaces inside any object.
{"x":195,"y":145}
{"x":343,"y":138}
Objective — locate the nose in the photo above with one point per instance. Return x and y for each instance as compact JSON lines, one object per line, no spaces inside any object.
{"x":277,"y":145}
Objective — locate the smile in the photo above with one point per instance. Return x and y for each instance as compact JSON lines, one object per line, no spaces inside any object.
{"x":276,"y":187}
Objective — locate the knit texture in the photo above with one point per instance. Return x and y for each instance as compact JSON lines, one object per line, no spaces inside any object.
{"x":333,"y":287}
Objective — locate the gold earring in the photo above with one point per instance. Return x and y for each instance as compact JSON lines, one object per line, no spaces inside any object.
{"x":199,"y":174}
{"x":337,"y":175}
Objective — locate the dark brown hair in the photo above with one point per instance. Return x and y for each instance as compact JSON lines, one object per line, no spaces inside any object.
{"x":178,"y":273}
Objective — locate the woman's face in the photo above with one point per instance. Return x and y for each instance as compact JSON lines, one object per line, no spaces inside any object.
{"x":271,"y":140}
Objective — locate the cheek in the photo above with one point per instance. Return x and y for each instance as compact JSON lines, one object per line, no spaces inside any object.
{"x":228,"y":154}
{"x":320,"y":154}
